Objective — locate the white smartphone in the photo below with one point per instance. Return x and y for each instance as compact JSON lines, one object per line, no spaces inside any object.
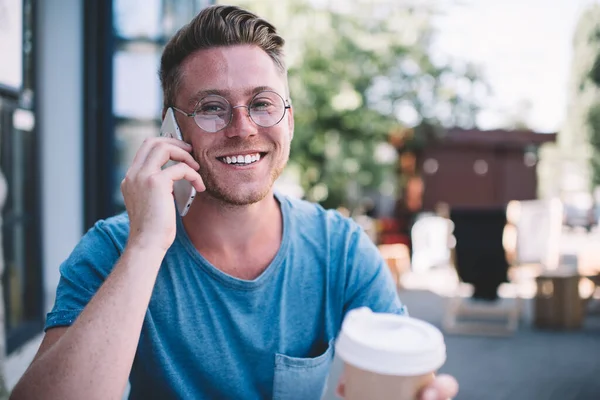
{"x":183,"y":191}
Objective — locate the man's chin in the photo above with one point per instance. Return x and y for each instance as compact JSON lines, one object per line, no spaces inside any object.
{"x":228,"y":197}
{"x":239,"y":192}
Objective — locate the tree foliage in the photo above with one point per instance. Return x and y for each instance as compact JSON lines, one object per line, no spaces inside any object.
{"x":357,"y":73}
{"x":587,"y":46}
{"x":593,"y":121}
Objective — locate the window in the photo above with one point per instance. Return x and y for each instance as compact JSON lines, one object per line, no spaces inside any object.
{"x":123,"y":96}
{"x":21,"y":241}
{"x":142,"y":27}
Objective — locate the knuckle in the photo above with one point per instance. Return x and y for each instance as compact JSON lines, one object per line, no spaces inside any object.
{"x":128,"y":178}
{"x":153,"y":180}
{"x":164,"y":147}
{"x":149,"y":141}
{"x":186,"y":168}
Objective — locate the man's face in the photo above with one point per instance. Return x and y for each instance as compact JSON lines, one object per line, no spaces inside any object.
{"x":236,"y":73}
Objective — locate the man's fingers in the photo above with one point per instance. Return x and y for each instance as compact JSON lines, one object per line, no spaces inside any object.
{"x":183,"y":171}
{"x":447,"y":385}
{"x":340,"y":390}
{"x":148,"y":147}
{"x":443,"y":387}
{"x":163,"y":152}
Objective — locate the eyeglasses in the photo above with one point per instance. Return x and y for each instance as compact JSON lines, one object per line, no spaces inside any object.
{"x":213,"y":112}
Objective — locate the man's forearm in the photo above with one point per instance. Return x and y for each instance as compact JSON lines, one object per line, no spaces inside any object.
{"x":93,"y":358}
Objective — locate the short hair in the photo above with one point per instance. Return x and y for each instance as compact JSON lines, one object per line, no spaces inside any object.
{"x":217,"y":26}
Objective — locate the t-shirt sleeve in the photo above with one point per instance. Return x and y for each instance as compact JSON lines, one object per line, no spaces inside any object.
{"x":369,"y":282}
{"x":82,"y":274}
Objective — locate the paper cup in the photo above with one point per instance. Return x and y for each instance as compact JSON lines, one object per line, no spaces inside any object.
{"x":388,"y":356}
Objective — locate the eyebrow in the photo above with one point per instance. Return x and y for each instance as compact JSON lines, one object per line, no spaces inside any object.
{"x":226,"y":93}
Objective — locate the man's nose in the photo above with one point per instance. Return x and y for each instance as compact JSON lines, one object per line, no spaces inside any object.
{"x":241,"y":124}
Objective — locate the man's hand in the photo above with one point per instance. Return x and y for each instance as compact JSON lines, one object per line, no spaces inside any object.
{"x":148,"y":190}
{"x":443,"y":387}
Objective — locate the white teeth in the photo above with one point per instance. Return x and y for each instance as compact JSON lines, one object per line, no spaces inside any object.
{"x":247,"y":159}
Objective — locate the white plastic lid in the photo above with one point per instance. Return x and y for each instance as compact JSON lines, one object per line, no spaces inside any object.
{"x":390,"y":344}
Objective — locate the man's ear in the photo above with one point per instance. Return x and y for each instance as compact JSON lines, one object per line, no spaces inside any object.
{"x":290,"y":116}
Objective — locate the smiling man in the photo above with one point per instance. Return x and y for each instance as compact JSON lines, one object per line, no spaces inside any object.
{"x":243,"y":297}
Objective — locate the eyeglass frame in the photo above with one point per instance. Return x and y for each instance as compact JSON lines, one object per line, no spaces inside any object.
{"x":286,"y":106}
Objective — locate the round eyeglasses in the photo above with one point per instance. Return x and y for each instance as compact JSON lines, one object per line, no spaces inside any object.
{"x":213,"y":112}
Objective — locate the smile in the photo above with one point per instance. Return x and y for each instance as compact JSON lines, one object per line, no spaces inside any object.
{"x":246,"y":159}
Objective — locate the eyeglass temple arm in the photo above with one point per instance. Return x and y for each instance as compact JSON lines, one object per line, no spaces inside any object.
{"x":191,"y":115}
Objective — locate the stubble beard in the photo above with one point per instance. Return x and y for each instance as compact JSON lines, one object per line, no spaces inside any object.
{"x":229,"y":196}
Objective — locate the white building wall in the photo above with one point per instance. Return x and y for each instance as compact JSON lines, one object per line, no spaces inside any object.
{"x":59,"y":119}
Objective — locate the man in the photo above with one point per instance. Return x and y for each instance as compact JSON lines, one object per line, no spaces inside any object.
{"x":241,"y":298}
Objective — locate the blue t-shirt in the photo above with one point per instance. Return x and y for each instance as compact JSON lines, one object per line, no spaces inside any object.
{"x":208,"y":335}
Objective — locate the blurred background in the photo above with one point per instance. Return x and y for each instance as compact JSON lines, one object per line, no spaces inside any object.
{"x":463,"y":135}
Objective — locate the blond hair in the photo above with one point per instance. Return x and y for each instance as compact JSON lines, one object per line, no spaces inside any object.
{"x":217,"y":26}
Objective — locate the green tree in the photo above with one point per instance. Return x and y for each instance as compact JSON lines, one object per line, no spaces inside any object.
{"x":580,"y":138}
{"x":593,"y":121}
{"x":593,"y":117}
{"x":357,"y":73}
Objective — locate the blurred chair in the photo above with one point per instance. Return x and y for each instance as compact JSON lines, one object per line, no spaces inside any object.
{"x":592,"y":302}
{"x":481,"y":267}
{"x":588,"y":266}
{"x":432,"y":242}
{"x":530,"y":244}
{"x":397,"y":257}
{"x":480,"y":258}
{"x":538,"y":229}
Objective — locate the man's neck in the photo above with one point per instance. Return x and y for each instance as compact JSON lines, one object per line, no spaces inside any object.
{"x":226,"y":235}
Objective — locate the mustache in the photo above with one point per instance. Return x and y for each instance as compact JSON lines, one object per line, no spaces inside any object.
{"x":230,"y":150}
{"x":243,"y":147}
{"x":226,"y":150}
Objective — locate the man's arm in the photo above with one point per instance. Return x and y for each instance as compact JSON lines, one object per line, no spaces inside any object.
{"x":92,"y":358}
{"x":369,"y":282}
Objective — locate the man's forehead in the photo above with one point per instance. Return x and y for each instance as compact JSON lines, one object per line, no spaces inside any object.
{"x":230,"y":71}
{"x":219,"y":62}
{"x":233,"y":93}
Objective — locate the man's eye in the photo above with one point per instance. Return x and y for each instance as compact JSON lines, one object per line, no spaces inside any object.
{"x":261,"y":105}
{"x":211,"y":109}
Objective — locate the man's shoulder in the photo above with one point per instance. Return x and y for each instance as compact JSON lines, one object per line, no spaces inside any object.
{"x":115,"y":228}
{"x":99,"y":248}
{"x":308,"y":215}
{"x":299,"y":206}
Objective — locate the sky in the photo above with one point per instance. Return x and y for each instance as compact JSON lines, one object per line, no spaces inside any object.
{"x":523,"y":49}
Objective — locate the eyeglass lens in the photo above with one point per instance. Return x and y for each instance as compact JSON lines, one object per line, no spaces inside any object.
{"x":214,"y":112}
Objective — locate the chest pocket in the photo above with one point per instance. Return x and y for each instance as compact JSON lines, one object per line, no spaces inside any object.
{"x":301,"y":378}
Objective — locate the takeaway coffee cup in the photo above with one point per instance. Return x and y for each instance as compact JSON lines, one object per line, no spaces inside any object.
{"x":388,"y":356}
